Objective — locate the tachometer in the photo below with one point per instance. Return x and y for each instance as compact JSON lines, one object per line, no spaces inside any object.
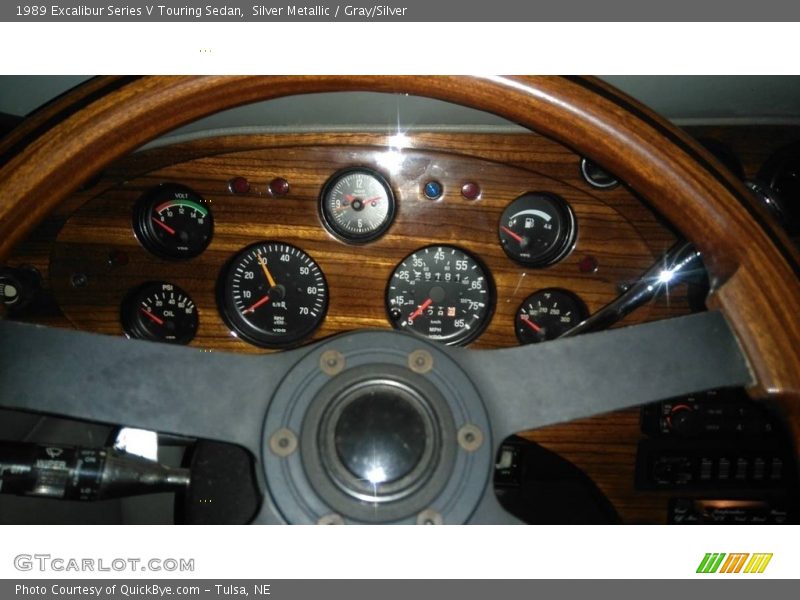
{"x":273,"y":294}
{"x":441,"y":293}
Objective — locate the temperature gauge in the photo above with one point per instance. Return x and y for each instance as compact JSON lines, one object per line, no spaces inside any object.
{"x":173,"y":221}
{"x":546,"y":314}
{"x":537,"y":229}
{"x":160,"y":312}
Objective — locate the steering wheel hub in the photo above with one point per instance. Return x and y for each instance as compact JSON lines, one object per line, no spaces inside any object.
{"x":380,"y":431}
{"x":378,"y":442}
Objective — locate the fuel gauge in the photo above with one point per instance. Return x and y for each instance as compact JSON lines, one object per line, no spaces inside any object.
{"x":546,"y":314}
{"x":537,"y":229}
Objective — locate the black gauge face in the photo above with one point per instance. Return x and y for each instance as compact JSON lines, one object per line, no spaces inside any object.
{"x":440,"y":293}
{"x":160,"y":312}
{"x":357,"y":205}
{"x":273,"y":294}
{"x":173,"y":221}
{"x":537,"y":229}
{"x":546,"y":314}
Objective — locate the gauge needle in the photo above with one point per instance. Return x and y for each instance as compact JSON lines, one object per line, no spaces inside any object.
{"x":253,"y":308}
{"x":268,"y":275}
{"x":152,"y":317}
{"x":373,"y":201}
{"x":164,"y":226}
{"x":421,"y":308}
{"x":513,"y":234}
{"x":532,"y":325}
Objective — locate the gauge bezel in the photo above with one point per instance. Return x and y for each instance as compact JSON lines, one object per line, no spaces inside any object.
{"x":143,"y":227}
{"x":240,"y":327}
{"x":134,"y":327}
{"x":559,"y":251}
{"x":579,"y":302}
{"x":330,"y":223}
{"x":491,"y":303}
{"x":585,"y":168}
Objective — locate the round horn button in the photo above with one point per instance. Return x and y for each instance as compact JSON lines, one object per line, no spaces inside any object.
{"x":380,"y":436}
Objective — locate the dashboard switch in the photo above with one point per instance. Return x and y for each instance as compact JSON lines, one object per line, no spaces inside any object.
{"x":433,"y":190}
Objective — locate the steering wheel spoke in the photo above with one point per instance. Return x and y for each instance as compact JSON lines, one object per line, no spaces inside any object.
{"x":172,"y":389}
{"x":542,"y":384}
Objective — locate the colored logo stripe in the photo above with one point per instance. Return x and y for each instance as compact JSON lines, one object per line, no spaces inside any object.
{"x":713,"y":562}
{"x":734,"y":563}
{"x":710,"y":563}
{"x":758,"y":563}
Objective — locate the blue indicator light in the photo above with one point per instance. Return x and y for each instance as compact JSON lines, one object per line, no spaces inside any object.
{"x":433,"y":190}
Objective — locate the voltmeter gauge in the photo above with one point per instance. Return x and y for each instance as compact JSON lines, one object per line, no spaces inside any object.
{"x":273,"y":294}
{"x":546,"y":314}
{"x":357,"y":205}
{"x":173,"y":221}
{"x":440,"y":293}
{"x":537,"y":229}
{"x":160,"y":312}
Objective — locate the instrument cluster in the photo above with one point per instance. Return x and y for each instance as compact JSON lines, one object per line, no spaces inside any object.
{"x":258,"y":244}
{"x":273,"y":294}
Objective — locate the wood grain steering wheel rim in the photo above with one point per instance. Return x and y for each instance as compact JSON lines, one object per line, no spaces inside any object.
{"x":754,"y":267}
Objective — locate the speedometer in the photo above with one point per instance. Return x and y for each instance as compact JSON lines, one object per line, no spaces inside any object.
{"x":440,"y":293}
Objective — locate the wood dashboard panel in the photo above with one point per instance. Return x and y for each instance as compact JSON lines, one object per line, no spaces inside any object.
{"x":357,"y":275}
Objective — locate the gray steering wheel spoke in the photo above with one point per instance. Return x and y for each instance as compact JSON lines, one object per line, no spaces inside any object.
{"x":243,"y":399}
{"x":562,"y":380}
{"x":171,"y":389}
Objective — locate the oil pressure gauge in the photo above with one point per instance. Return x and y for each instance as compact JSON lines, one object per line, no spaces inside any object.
{"x":357,"y":205}
{"x":160,"y":312}
{"x":537,"y":229}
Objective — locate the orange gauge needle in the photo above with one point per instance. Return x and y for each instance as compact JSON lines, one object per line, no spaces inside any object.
{"x":267,"y":274}
{"x":164,"y":226}
{"x":512,"y":234}
{"x":532,"y":325}
{"x":152,"y":317}
{"x":253,"y":308}
{"x":421,"y":308}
